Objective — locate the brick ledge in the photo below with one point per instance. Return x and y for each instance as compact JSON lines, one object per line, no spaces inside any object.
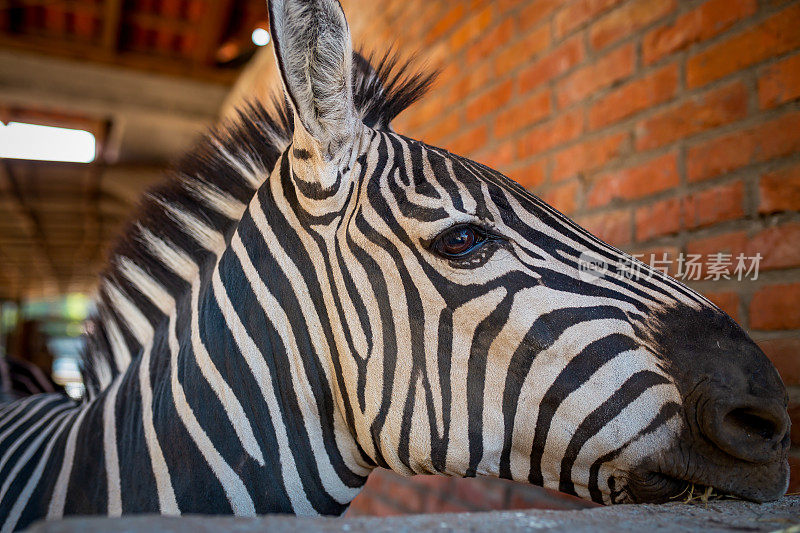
{"x":673,"y":517}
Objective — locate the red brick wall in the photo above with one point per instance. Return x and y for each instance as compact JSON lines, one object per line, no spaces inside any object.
{"x":387,"y":494}
{"x":660,"y":125}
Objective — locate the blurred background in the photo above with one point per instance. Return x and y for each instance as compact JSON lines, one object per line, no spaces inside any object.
{"x":664,"y":126}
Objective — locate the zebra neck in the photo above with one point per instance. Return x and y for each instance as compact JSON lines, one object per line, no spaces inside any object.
{"x":228,"y":410}
{"x":233,"y":388}
{"x":227,"y":400}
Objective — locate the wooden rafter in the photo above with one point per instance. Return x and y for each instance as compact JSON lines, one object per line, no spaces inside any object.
{"x":112,"y":22}
{"x":31,"y":223}
{"x":212,"y":30}
{"x":134,"y":60}
{"x":93,"y":215}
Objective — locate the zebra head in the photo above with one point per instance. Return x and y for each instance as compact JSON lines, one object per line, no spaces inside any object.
{"x":470,"y":339}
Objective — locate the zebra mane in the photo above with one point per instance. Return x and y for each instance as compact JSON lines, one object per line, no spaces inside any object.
{"x":184,"y":223}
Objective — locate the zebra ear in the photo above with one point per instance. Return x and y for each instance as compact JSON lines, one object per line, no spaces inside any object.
{"x":315,"y":57}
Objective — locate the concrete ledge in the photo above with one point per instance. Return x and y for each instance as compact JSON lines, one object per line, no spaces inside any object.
{"x":716,"y":516}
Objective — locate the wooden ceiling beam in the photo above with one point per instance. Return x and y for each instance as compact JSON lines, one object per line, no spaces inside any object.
{"x":10,"y":277}
{"x":30,"y":222}
{"x":158,"y":64}
{"x":112,"y":23}
{"x":155,"y":21}
{"x":212,"y":30}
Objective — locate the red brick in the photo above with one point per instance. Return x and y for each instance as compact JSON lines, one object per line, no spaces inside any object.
{"x":441,"y":128}
{"x":531,"y":497}
{"x":446,"y":23}
{"x":610,"y":68}
{"x":472,"y":28}
{"x":777,"y":138}
{"x":563,"y":197}
{"x":785,"y":355}
{"x":472,"y":81}
{"x":552,"y":65}
{"x":588,"y":155}
{"x":429,"y":109}
{"x":775,"y":307}
{"x":794,"y":477}
{"x":431,"y":482}
{"x":530,"y":110}
{"x":794,"y":415}
{"x":729,"y":243}
{"x":492,"y":41}
{"x":521,"y":52}
{"x":727,"y":301}
{"x":779,"y":83}
{"x":559,"y":130}
{"x":488,"y":494}
{"x":627,"y":19}
{"x":359,"y":506}
{"x":780,"y":190}
{"x":774,"y":36}
{"x":635,"y":96}
{"x":612,"y":227}
{"x":658,"y":219}
{"x":380,"y":507}
{"x":405,"y":493}
{"x":531,"y":175}
{"x":660,"y":258}
{"x":499,"y":157}
{"x":710,"y":110}
{"x":490,"y":101}
{"x":715,"y":205}
{"x":438,"y":504}
{"x":469,"y":141}
{"x":648,"y":178}
{"x":779,"y":247}
{"x":706,"y":21}
{"x":575,"y":15}
{"x":535,"y":12}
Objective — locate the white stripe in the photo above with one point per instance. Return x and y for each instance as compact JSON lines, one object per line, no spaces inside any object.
{"x":361,"y":420}
{"x":113,"y":484}
{"x":310,"y":417}
{"x":150,"y":288}
{"x":24,"y":496}
{"x":9,"y":452}
{"x":208,"y":238}
{"x":11,"y":416}
{"x":592,"y":393}
{"x":129,"y":313}
{"x":30,"y":448}
{"x":235,"y":490}
{"x":170,"y":255}
{"x":635,"y":417}
{"x":261,"y":373}
{"x":166,"y":494}
{"x":56,"y":509}
{"x":546,"y":367}
{"x":189,"y":271}
{"x":215,"y":198}
{"x":252,"y":174}
{"x":313,"y":325}
{"x":119,"y":348}
{"x":471,"y":313}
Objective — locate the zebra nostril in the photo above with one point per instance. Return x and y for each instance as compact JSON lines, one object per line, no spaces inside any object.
{"x":750,"y":422}
{"x":753,"y":431}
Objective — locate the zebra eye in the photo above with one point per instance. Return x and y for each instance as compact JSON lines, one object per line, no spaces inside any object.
{"x":458,"y":241}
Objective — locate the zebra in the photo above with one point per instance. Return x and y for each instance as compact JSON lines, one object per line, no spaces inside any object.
{"x":313,"y":296}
